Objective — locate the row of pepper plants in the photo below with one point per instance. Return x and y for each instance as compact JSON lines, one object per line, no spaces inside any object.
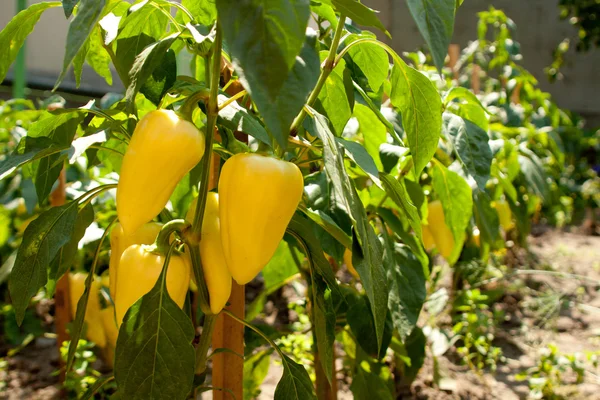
{"x":334,"y":152}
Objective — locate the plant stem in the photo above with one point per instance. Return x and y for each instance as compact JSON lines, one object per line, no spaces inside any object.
{"x":202,"y":350}
{"x":162,"y":240}
{"x":212,"y":111}
{"x":232,"y":99}
{"x":93,"y":193}
{"x":258,"y":331}
{"x":328,"y":66}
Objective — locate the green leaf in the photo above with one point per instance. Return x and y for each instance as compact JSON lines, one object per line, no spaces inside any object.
{"x":415,"y":346}
{"x":204,"y":12}
{"x":397,"y":191}
{"x":42,"y":240}
{"x":459,"y":92}
{"x":16,"y":31}
{"x":142,"y":27}
{"x":64,"y":259}
{"x":295,"y":384}
{"x":281,"y":266}
{"x":324,"y":321}
{"x":421,"y":106}
{"x":358,"y":13}
{"x":98,"y":58}
{"x":88,"y":15}
{"x":435,"y":19}
{"x":280,"y":112}
{"x":299,"y":227}
{"x":326,"y":12}
{"x":533,"y":171}
{"x":471,"y":145}
{"x":486,"y":217}
{"x":456,"y":197}
{"x":367,"y":252}
{"x":264,"y":39}
{"x":256,"y":369}
{"x":154,"y":357}
{"x":373,"y":131}
{"x":359,"y":155}
{"x":407,"y":288}
{"x":149,"y":63}
{"x":394,"y":223}
{"x":29,"y":149}
{"x":61,"y":129}
{"x":236,"y":118}
{"x":369,"y":384}
{"x":329,"y":225}
{"x":69,"y":6}
{"x":372,"y":60}
{"x":359,"y":317}
{"x":333,"y":100}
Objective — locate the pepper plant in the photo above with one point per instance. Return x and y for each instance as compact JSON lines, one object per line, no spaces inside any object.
{"x":331,"y":147}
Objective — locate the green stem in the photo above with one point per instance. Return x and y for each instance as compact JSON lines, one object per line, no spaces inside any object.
{"x":205,"y":340}
{"x":162,"y":242}
{"x":183,"y":9}
{"x":168,"y":15}
{"x":328,"y":66}
{"x":258,"y":331}
{"x":191,"y":103}
{"x":212,"y":111}
{"x":93,"y":193}
{"x":203,"y":295}
{"x":232,"y":99}
{"x":380,"y":116}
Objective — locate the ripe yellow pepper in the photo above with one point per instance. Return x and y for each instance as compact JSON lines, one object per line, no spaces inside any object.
{"x":119,"y":241}
{"x":110,"y":325}
{"x":428,"y":240}
{"x":93,"y":319}
{"x":258,"y":196}
{"x":163,"y":148}
{"x":348,"y":261}
{"x":139,"y":269}
{"x":504,"y":214}
{"x":442,"y":235}
{"x":216,"y":273}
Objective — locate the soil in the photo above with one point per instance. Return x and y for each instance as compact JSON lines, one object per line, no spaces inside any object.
{"x":570,"y":274}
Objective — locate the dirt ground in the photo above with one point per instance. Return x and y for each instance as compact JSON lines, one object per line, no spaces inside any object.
{"x":572,"y":265}
{"x":575,"y":327}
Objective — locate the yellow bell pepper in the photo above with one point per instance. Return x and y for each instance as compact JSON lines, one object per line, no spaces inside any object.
{"x":93,"y":319}
{"x":163,"y":148}
{"x":119,"y":241}
{"x":504,"y":214}
{"x":258,"y":196}
{"x":428,"y":241}
{"x":139,"y":269}
{"x":216,"y":273}
{"x":110,"y":326}
{"x":348,"y":261}
{"x":442,"y":235}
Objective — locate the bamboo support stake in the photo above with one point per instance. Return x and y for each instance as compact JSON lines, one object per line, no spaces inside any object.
{"x":453,"y":56}
{"x":62,"y":301}
{"x":475,"y":79}
{"x":228,"y":368}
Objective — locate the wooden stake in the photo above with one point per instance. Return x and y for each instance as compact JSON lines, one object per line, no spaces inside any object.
{"x":475,"y":79}
{"x":227,"y":368}
{"x":62,"y":300}
{"x":453,"y":56}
